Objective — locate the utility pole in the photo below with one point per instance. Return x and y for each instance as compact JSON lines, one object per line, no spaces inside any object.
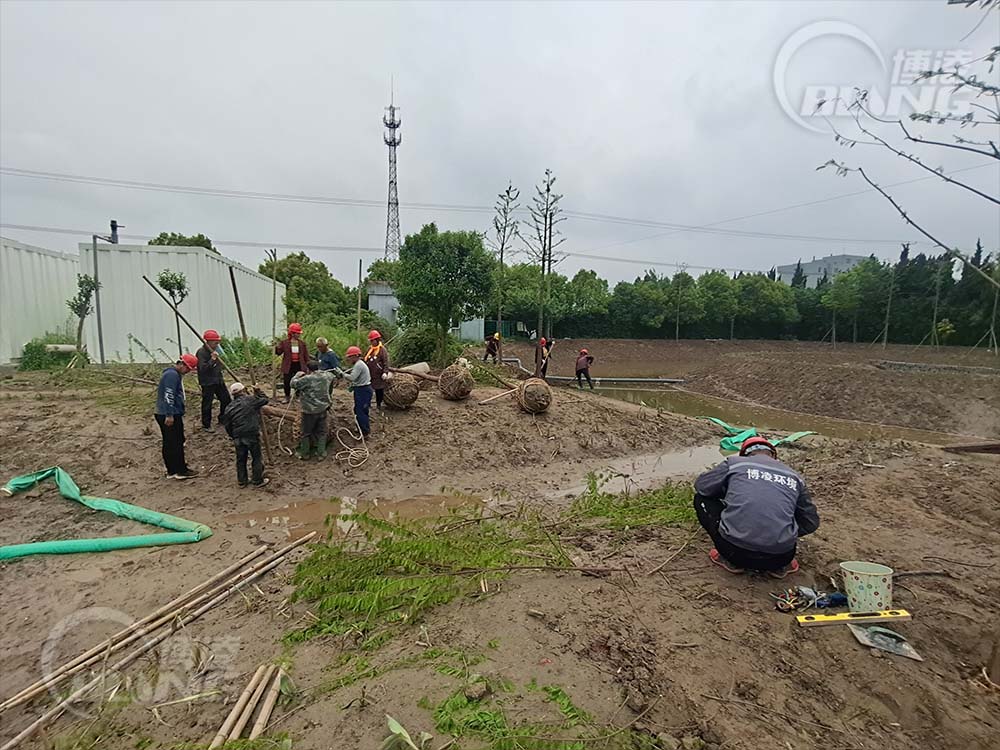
{"x":113,"y":239}
{"x":392,"y":139}
{"x":993,"y":324}
{"x":888,"y":307}
{"x":272,"y":255}
{"x":937,"y":297}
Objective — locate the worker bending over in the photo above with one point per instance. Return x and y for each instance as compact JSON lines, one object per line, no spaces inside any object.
{"x":359,"y":382}
{"x":755,"y":508}
{"x":313,"y":391}
{"x":583,"y":363}
{"x":493,"y":348}
{"x":242,"y":422}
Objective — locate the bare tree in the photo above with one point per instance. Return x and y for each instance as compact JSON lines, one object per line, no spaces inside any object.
{"x":540,"y":244}
{"x":983,"y":112}
{"x":506,"y":228}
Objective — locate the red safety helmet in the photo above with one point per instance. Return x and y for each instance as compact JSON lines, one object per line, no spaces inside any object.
{"x":584,"y":351}
{"x":190,"y":360}
{"x":212,"y":335}
{"x":542,"y":341}
{"x":295,"y":328}
{"x":374,"y":335}
{"x":751,"y":442}
{"x":353,"y":351}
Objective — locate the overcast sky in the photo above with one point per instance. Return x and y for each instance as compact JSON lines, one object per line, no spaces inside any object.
{"x":659,"y":112}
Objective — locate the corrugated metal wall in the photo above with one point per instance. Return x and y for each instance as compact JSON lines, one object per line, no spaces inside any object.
{"x":129,"y":306}
{"x":34,"y":286}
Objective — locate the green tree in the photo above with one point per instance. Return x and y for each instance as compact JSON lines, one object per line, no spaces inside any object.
{"x":720,"y":300}
{"x":587,"y":300}
{"x":766,"y":307}
{"x":311,"y":293}
{"x":444,"y":277}
{"x":798,"y":278}
{"x":684,"y":301}
{"x":174,"y":283}
{"x":81,"y":304}
{"x":843,"y":298}
{"x":173,"y":239}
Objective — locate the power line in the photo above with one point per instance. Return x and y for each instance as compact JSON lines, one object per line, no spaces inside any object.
{"x":586,"y":216}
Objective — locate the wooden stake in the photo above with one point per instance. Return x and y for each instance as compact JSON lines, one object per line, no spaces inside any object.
{"x":246,"y":349}
{"x":252,"y":705}
{"x":99,"y":651}
{"x":265,"y":712}
{"x":234,"y":716}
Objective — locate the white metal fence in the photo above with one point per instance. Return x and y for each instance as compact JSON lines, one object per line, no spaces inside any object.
{"x":34,"y":286}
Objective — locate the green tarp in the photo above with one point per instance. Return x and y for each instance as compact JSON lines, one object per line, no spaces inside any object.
{"x":737,"y":435}
{"x":183,"y":531}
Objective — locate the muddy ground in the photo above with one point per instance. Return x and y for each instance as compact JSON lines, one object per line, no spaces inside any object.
{"x":687,"y":654}
{"x":850,"y":382}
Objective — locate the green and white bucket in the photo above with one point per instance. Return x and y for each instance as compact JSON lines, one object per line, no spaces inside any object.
{"x":868,"y":586}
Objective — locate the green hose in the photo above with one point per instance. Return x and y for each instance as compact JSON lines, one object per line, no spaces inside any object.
{"x":184,"y":531}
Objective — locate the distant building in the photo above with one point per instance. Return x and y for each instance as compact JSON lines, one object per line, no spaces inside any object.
{"x":815,"y":269}
{"x":382,"y":300}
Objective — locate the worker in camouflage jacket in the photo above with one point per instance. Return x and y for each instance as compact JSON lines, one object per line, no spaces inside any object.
{"x":313,"y":391}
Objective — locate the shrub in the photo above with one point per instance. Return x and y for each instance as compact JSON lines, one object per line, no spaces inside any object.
{"x":421,"y":345}
{"x":34,"y":356}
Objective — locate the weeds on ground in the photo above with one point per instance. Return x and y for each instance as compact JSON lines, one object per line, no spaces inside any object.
{"x":669,"y":505}
{"x":407,"y":568}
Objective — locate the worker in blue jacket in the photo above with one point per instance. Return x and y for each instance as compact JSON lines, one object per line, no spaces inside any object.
{"x":170,"y":416}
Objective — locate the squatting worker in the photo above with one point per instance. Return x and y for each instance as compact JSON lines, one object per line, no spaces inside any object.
{"x":314,"y":400}
{"x":170,"y":416}
{"x":493,"y":348}
{"x":583,"y":363}
{"x":755,"y":508}
{"x":359,"y":382}
{"x":377,"y":359}
{"x":242,"y":422}
{"x":294,"y":357}
{"x":210,"y":379}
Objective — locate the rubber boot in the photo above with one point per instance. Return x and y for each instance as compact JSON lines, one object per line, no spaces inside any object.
{"x":303,"y":450}
{"x":321,"y":447}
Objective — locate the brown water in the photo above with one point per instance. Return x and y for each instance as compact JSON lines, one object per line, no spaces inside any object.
{"x":334,"y":516}
{"x":769,"y":418}
{"x":645,"y":472}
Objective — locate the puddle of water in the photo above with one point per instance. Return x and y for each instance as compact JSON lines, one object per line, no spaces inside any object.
{"x":298,"y":519}
{"x":765,"y":417}
{"x":646,"y":472}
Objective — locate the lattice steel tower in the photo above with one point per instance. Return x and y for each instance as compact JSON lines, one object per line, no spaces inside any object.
{"x":392,"y":139}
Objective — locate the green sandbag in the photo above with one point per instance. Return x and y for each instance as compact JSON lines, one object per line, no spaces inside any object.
{"x":184,"y":531}
{"x":737,"y":435}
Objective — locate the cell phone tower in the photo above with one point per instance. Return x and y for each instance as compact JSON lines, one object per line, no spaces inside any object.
{"x":392,"y":139}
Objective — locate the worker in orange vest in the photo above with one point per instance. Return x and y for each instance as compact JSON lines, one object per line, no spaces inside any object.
{"x":377,"y":359}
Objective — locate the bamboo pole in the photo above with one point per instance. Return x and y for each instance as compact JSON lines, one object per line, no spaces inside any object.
{"x":248,"y":711}
{"x":101,"y":649}
{"x":246,"y":348}
{"x":236,"y":714}
{"x":263,"y":567}
{"x":273,"y":255}
{"x":499,"y":395}
{"x":265,"y":712}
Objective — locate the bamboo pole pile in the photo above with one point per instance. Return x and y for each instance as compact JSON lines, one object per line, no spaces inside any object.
{"x":168,"y":619}
{"x":266,"y":678}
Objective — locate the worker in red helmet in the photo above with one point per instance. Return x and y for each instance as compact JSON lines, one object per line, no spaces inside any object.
{"x":583,"y":363}
{"x":359,"y":383}
{"x":210,"y":379}
{"x":294,"y":357}
{"x":377,"y":359}
{"x":755,"y":508}
{"x":169,"y":415}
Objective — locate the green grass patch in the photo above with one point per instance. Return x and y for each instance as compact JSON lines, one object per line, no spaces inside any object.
{"x":406,"y":569}
{"x":670,"y":505}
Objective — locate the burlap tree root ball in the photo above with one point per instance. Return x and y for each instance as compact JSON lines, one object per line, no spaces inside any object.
{"x":533,"y":395}
{"x":402,"y":391}
{"x":455,"y":382}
